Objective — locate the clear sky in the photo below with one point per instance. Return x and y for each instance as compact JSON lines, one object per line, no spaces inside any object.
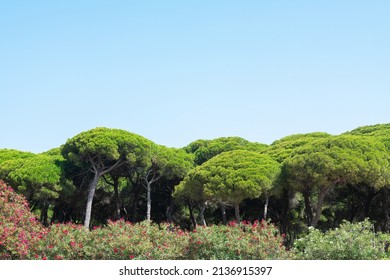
{"x":177,"y":71}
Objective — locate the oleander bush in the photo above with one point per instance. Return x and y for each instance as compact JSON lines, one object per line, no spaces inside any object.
{"x":23,"y":237}
{"x":351,"y":241}
{"x":122,"y":240}
{"x":118,"y":240}
{"x":244,"y":241}
{"x":20,"y":231}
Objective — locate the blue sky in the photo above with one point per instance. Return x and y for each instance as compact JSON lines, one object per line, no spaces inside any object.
{"x":177,"y":71}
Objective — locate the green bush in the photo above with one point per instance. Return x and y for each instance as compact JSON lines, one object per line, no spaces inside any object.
{"x":118,"y":240}
{"x":122,"y":240}
{"x":245,"y":241}
{"x":351,"y":241}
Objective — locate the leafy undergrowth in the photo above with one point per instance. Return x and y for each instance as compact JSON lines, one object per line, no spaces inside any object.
{"x":23,"y":237}
{"x":122,"y":240}
{"x":351,"y":241}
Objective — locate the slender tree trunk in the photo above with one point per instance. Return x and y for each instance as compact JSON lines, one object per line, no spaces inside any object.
{"x":367,"y":204}
{"x":134,"y":207}
{"x":286,"y":208}
{"x":237,"y":212}
{"x":386,"y":227}
{"x":223,"y":212}
{"x":43,"y":217}
{"x":308,"y":209}
{"x":91,"y":194}
{"x":169,"y":212}
{"x":148,"y":194}
{"x":202,"y":208}
{"x":266,"y":207}
{"x":148,"y":201}
{"x":192,"y":217}
{"x":320,"y":203}
{"x":117,"y":199}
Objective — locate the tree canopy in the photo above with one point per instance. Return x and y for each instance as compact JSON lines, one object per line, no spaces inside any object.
{"x":231,"y":177}
{"x":101,"y":150}
{"x":322,"y":165}
{"x":312,"y":179}
{"x":204,"y":150}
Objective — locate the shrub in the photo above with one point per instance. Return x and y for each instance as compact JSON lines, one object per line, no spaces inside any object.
{"x":118,"y":240}
{"x":351,"y":241}
{"x":245,"y":241}
{"x":20,"y":230}
{"x":122,"y":240}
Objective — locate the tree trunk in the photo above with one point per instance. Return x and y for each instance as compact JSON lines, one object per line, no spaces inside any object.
{"x":367,"y":204}
{"x":386,"y":227}
{"x":192,"y":217}
{"x":237,"y":212}
{"x":134,"y":207}
{"x":266,"y":208}
{"x":91,"y":194}
{"x":308,"y":209}
{"x":320,"y":202}
{"x":286,"y":208}
{"x":202,"y":208}
{"x":223,"y":211}
{"x":117,"y":200}
{"x":148,"y":201}
{"x":169,"y":212}
{"x":43,"y":217}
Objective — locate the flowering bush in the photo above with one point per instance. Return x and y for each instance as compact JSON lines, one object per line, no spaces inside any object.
{"x":118,"y":240}
{"x":23,"y":237}
{"x":19,"y":229}
{"x":351,"y":241}
{"x":245,"y":241}
{"x":122,"y":240}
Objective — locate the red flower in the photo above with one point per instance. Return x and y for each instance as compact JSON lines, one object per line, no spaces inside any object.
{"x":131,"y":257}
{"x":116,"y":250}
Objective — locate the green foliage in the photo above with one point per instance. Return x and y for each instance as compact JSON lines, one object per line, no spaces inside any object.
{"x":245,"y":241}
{"x":105,"y":145}
{"x":9,"y":154}
{"x":379,"y":131}
{"x":322,"y":165}
{"x":147,"y":241}
{"x":204,"y":150}
{"x":231,"y":177}
{"x":351,"y":241}
{"x":284,"y":147}
{"x":37,"y":176}
{"x":171,"y":163}
{"x":19,"y":229}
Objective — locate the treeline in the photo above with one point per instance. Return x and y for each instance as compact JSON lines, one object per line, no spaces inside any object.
{"x":302,"y":180}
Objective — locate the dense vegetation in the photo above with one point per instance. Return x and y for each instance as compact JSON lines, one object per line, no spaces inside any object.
{"x":109,"y":193}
